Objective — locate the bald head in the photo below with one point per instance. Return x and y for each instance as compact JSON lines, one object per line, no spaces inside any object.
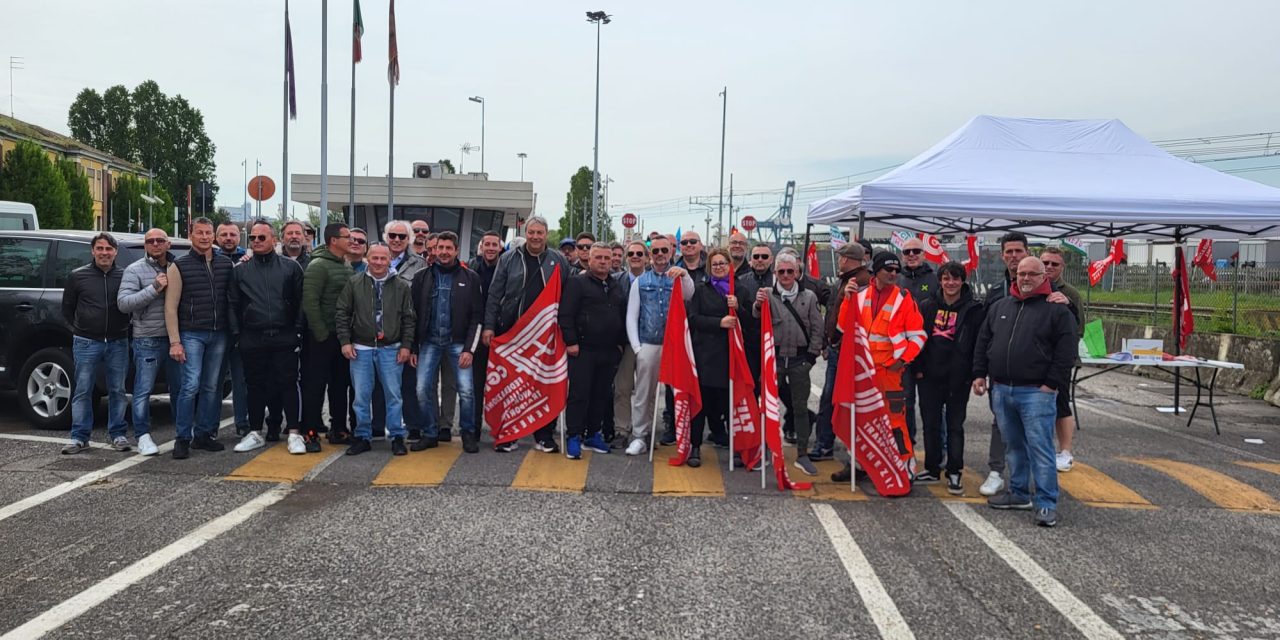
{"x":913,"y":252}
{"x":157,"y":243}
{"x":1030,"y":274}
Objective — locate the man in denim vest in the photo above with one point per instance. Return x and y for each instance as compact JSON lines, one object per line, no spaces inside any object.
{"x":647,"y":306}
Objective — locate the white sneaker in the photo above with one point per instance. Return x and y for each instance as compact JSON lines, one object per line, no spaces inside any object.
{"x":993,"y":485}
{"x":253,"y":440}
{"x":1065,"y":460}
{"x":147,"y":446}
{"x":636,"y":448}
{"x":297,"y":444}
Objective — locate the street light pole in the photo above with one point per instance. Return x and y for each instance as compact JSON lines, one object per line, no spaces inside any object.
{"x":599,"y":18}
{"x":482,"y":145}
{"x":724,"y":94}
{"x":522,"y":155}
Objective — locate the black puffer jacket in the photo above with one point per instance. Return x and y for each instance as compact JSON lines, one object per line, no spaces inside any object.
{"x":593,"y":313}
{"x":266,"y":301}
{"x":1028,"y":341}
{"x":89,"y":303}
{"x":205,"y":284}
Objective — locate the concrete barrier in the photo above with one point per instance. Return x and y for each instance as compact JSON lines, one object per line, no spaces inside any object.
{"x":1260,"y":356}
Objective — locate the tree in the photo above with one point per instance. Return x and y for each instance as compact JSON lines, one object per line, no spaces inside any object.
{"x":448,"y":165}
{"x":27,"y":175}
{"x":577,"y":209}
{"x":129,"y":212}
{"x":81,"y":212}
{"x":117,"y":120}
{"x":85,"y":118}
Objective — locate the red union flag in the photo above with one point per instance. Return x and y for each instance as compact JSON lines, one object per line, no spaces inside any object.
{"x":876,"y":450}
{"x":769,"y":400}
{"x":971,"y":264}
{"x":1099,"y":268}
{"x":526,"y":383}
{"x":1204,"y":258}
{"x":933,"y":251}
{"x":744,"y":414}
{"x":676,"y":371}
{"x":1187,"y":322}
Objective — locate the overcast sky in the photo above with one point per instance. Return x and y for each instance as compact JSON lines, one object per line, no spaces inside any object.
{"x":817,"y":90}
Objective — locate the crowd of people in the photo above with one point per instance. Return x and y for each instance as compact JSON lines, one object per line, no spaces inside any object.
{"x":390,"y":335}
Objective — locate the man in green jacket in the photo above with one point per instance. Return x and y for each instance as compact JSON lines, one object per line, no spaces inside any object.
{"x":375,"y":323}
{"x":322,"y":363}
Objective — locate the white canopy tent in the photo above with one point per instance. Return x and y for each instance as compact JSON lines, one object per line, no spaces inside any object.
{"x":1056,"y":179}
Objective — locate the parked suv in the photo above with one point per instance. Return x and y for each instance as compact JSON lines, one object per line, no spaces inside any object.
{"x":35,"y":340}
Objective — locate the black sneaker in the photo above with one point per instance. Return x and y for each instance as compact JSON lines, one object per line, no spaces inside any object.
{"x":397,"y":446}
{"x":445,"y":435}
{"x":415,"y":434}
{"x":339,"y":438}
{"x":359,"y":447}
{"x":507,"y":447}
{"x":313,"y":444}
{"x":789,"y":437}
{"x":818,"y":454}
{"x":926,"y":477}
{"x":181,"y":449}
{"x":1007,"y":501}
{"x":843,"y":475}
{"x":694,"y":460}
{"x":206,"y":443}
{"x":1047,"y":517}
{"x":470,"y":442}
{"x":422,"y":444}
{"x":953,"y":484}
{"x":547,"y":446}
{"x":273,"y":434}
{"x":668,"y":439}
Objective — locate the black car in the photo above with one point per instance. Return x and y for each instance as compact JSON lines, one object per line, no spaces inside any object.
{"x":35,"y":340}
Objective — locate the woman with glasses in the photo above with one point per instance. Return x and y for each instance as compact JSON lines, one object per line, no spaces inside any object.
{"x":709,"y":324}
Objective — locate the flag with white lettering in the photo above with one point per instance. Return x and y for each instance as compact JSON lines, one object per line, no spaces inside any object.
{"x":744,"y":414}
{"x":769,"y":401}
{"x":527,"y":382}
{"x":676,"y":370}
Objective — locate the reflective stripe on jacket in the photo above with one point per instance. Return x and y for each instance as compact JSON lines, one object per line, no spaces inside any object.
{"x":897,"y":331}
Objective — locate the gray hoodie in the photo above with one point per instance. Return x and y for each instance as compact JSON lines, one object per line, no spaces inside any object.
{"x":138,"y":297}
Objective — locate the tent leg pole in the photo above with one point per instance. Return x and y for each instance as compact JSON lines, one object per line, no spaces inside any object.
{"x":862,"y":224}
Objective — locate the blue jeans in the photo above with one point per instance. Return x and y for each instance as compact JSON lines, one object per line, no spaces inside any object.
{"x":1026,"y":416}
{"x":429,"y":356}
{"x":379,"y":362}
{"x":200,"y":400}
{"x":88,"y":354}
{"x":239,"y":387}
{"x":149,"y":355}
{"x":826,"y":435}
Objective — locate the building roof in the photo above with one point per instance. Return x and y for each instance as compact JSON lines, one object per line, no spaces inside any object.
{"x":64,"y":143}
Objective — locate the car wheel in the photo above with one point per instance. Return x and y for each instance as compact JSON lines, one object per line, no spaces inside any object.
{"x":45,"y":390}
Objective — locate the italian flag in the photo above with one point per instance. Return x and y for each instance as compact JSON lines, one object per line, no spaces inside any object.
{"x":357,"y":32}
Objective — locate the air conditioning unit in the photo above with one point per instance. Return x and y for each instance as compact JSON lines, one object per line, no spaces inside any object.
{"x":429,"y":170}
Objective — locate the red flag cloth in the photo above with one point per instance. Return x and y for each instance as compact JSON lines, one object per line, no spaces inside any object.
{"x":1098,"y":268}
{"x":876,"y":450}
{"x":971,"y":264}
{"x":769,"y":400}
{"x":288,"y":65}
{"x":393,"y":52}
{"x":1188,"y":322}
{"x":527,"y":382}
{"x":357,"y":32}
{"x":811,"y":262}
{"x":1204,"y":259}
{"x":933,"y":251}
{"x":677,"y":371}
{"x":744,"y":414}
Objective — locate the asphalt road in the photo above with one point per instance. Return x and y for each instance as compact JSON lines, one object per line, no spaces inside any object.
{"x":1166,"y":532}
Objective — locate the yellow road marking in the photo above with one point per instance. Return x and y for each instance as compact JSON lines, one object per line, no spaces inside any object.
{"x":823,"y":488}
{"x":969,"y":479}
{"x":685,"y":480}
{"x":1262,"y":466}
{"x":420,"y":468}
{"x":276,"y":464}
{"x":1219,"y":488}
{"x":1097,"y":489}
{"x":552,"y":472}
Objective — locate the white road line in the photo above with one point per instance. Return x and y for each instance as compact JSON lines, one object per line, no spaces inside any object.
{"x":1173,"y":432}
{"x":50,"y":439}
{"x":877,"y":601}
{"x":86,"y":600}
{"x":8,"y":511}
{"x":1072,"y":608}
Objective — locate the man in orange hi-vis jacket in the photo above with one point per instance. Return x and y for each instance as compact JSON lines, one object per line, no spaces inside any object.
{"x":896,"y":333}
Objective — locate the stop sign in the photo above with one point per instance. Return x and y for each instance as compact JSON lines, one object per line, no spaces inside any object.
{"x":748,"y":223}
{"x":629,"y":220}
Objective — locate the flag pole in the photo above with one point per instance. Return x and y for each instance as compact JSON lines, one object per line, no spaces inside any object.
{"x":393,"y":77}
{"x":731,"y":449}
{"x":853,"y":442}
{"x":284,"y":177}
{"x":324,"y":115}
{"x":357,"y":28}
{"x":653,"y":427}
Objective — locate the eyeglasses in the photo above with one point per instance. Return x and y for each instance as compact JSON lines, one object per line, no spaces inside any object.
{"x":1030,"y":274}
{"x":156,"y":240}
{"x":661,"y":250}
{"x":685,"y":243}
{"x":784,"y":272}
{"x":1051,"y":264}
{"x":421,"y":231}
{"x":635,"y":254}
{"x":760,"y":256}
{"x":584,"y":247}
{"x":398,"y":236}
{"x":719,"y":265}
{"x":355,"y":240}
{"x":258,"y":238}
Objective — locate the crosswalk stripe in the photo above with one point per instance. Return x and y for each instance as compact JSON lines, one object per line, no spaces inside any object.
{"x":1219,"y":488}
{"x":1097,"y":489}
{"x":552,"y":472}
{"x":1262,"y":466}
{"x":276,"y":464}
{"x":420,"y":469}
{"x":683,"y":480}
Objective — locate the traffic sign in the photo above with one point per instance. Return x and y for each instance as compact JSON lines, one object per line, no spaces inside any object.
{"x":748,"y":223}
{"x":261,"y":188}
{"x":629,"y":220}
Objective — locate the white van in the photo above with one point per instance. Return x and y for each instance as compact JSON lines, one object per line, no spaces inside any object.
{"x":18,"y":216}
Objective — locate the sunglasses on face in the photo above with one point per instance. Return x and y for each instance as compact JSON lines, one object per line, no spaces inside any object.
{"x":661,"y":250}
{"x":635,"y":254}
{"x":156,"y":240}
{"x":355,"y":240}
{"x":1052,"y":264}
{"x":760,"y":256}
{"x":398,"y":236}
{"x":584,"y":247}
{"x":785,"y":272}
{"x":912,"y":252}
{"x":890,"y":269}
{"x":258,"y":238}
{"x":421,"y":231}
{"x":686,"y":243}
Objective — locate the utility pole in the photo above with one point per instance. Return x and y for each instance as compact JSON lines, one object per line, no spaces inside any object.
{"x":15,"y":64}
{"x":599,"y":18}
{"x":724,"y":114}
